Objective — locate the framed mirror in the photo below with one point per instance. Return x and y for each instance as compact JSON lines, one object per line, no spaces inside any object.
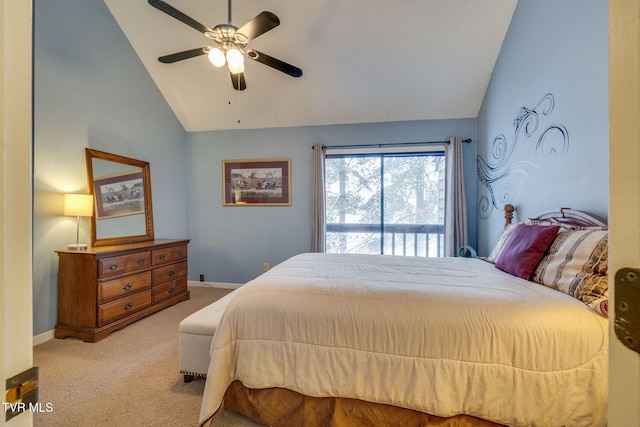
{"x":121,"y":189}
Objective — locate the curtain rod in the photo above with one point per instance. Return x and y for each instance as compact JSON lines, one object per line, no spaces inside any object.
{"x":400,"y":144}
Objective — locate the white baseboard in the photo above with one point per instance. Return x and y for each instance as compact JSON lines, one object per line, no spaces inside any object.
{"x":220,"y":285}
{"x":43,"y":337}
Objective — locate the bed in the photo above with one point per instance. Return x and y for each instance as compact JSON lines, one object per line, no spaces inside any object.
{"x":326,"y":339}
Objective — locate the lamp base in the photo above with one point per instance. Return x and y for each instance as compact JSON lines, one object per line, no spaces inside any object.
{"x":77,"y":246}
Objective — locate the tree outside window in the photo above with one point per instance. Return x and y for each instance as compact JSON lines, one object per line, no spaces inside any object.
{"x":385,"y":203}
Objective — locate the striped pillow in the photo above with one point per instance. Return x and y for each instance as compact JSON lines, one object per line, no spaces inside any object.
{"x":566,"y":225}
{"x":577,"y":264}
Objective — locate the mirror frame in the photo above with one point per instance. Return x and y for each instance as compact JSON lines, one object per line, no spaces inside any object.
{"x":148,"y":209}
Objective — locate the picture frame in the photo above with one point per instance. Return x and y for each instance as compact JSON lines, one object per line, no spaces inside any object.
{"x":119,"y":195}
{"x":261,"y":182}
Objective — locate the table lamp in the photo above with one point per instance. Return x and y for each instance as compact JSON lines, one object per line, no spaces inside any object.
{"x":78,"y":205}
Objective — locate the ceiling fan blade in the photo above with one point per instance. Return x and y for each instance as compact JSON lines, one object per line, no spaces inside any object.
{"x":259,"y":25}
{"x":238,"y":81}
{"x":179,"y":56}
{"x":171,"y":11}
{"x":272,"y":62}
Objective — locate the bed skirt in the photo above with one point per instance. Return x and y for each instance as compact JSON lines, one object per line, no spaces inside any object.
{"x":281,"y":407}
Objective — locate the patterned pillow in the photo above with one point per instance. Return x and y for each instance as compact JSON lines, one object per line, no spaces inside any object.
{"x":501,"y":243}
{"x":577,"y":264}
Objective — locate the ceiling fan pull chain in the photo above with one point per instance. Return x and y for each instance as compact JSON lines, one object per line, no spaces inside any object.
{"x":238,"y":105}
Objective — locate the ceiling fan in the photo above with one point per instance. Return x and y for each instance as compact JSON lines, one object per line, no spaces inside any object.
{"x":231,"y":43}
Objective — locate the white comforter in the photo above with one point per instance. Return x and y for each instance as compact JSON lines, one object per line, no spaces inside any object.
{"x":444,"y":336}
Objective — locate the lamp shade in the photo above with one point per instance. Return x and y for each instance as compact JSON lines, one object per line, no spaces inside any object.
{"x":78,"y":204}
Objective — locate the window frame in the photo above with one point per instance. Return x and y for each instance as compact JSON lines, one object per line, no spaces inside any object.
{"x":381,"y":152}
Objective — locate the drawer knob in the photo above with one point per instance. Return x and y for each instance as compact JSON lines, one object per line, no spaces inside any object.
{"x":172,"y":273}
{"x":127,"y":306}
{"x":162,"y":256}
{"x":141,"y":261}
{"x":113,"y":266}
{"x":127,"y":286}
{"x":172,"y":289}
{"x":181,"y":253}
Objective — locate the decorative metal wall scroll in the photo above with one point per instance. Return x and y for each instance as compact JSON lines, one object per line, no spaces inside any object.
{"x":497,"y":173}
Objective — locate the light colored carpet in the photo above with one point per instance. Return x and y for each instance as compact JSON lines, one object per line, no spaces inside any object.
{"x":130,"y":378}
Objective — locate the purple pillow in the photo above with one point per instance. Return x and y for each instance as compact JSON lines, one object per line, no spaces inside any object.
{"x":525,"y":248}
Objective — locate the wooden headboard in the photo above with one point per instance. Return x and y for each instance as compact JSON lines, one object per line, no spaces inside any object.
{"x":563,"y":216}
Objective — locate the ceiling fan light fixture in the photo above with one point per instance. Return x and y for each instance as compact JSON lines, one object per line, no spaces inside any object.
{"x":235,"y":59}
{"x":237,"y":68}
{"x":216,"y":56}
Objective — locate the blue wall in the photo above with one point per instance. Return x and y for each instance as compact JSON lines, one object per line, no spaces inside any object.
{"x":558,"y":48}
{"x":91,"y":90}
{"x":230,"y":244}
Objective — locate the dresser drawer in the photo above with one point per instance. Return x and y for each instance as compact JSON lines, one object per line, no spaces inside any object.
{"x":122,"y":307}
{"x":172,"y":254}
{"x":169,"y":273}
{"x":117,"y":288}
{"x":168,"y":290}
{"x":179,"y":252}
{"x":123,"y":264}
{"x":139,"y":261}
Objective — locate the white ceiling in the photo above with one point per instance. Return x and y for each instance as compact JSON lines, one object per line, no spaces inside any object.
{"x":363,"y":60}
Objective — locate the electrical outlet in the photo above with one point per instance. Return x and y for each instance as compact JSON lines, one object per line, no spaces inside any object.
{"x":265,"y":266}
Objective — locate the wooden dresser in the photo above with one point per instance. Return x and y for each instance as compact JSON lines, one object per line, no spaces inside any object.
{"x":107,"y":288}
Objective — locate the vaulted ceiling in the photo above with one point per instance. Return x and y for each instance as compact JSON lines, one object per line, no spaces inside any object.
{"x":362,"y":60}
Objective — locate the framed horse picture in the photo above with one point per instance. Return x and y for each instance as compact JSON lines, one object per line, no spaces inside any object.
{"x":263,"y":182}
{"x":119,"y":195}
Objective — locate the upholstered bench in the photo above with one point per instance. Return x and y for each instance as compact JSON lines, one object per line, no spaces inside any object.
{"x":196,"y":333}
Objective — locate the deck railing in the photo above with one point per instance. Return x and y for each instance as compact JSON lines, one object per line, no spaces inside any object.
{"x":400,"y":239}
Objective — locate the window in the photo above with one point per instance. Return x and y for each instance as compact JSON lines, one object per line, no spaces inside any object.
{"x":385,"y":203}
